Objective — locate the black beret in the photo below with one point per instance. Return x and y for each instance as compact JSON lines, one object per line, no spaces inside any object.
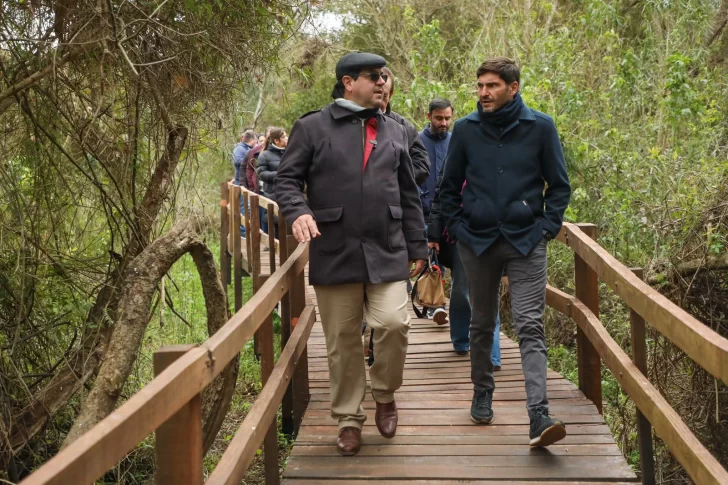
{"x":356,"y":61}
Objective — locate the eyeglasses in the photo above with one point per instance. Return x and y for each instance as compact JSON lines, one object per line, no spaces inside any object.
{"x":374,"y":76}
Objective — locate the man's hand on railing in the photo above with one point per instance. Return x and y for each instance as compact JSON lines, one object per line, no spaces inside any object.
{"x":416,"y":267}
{"x":305,"y":228}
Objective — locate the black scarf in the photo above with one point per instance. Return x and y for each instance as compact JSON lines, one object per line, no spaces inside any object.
{"x":508,"y":114}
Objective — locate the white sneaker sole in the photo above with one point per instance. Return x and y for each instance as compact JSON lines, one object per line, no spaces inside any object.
{"x":549,"y":436}
{"x":482,"y":421}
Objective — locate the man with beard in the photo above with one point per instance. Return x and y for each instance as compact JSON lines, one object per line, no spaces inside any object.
{"x":364,"y":221}
{"x":436,"y":138}
{"x":503,"y":219}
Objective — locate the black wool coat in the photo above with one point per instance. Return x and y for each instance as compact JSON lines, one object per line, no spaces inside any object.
{"x":370,"y":221}
{"x":417,"y":150}
{"x":268,"y":162}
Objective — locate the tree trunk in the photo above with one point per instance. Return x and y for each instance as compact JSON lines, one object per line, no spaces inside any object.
{"x":83,"y":364}
{"x":141,"y":280}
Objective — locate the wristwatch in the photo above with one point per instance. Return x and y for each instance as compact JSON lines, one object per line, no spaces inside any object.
{"x":547,"y":235}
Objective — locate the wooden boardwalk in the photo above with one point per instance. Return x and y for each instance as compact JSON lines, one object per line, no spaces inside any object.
{"x":437,"y":443}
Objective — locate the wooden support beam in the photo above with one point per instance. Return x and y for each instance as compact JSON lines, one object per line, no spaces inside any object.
{"x":225,"y":259}
{"x":237,"y":250}
{"x":301,"y":391}
{"x":587,"y":291}
{"x":267,"y":362}
{"x":178,"y":443}
{"x":644,"y":428}
{"x":287,"y":422}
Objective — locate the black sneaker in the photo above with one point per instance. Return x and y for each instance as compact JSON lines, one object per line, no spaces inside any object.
{"x":545,"y":431}
{"x":481,"y":411}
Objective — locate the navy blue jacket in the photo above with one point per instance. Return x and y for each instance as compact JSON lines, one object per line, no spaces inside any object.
{"x":436,"y":146}
{"x":507,"y":171}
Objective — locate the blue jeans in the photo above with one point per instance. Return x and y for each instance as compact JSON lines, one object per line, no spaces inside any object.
{"x":460,"y":312}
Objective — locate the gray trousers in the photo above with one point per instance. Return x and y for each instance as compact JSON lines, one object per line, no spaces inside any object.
{"x":527,"y":287}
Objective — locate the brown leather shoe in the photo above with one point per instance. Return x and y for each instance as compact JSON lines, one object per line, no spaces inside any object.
{"x":386,"y":419}
{"x":349,"y":441}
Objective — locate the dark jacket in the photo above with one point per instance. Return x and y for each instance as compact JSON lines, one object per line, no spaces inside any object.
{"x":239,"y":152}
{"x":417,"y":151}
{"x":370,"y":221}
{"x":506,"y":172}
{"x":268,"y":162}
{"x":436,"y":146}
{"x":251,"y":162}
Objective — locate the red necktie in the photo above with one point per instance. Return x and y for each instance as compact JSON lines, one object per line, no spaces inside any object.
{"x":371,"y":135}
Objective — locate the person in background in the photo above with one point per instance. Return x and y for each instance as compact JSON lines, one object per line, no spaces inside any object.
{"x":261,"y":139}
{"x":512,"y":205}
{"x":247,"y":141}
{"x":460,"y":311}
{"x":268,"y":162}
{"x":363,"y":220}
{"x":436,"y":139}
{"x":417,"y":151}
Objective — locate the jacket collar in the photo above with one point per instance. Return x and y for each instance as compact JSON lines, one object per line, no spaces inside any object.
{"x":526,"y":114}
{"x":433,"y":136}
{"x":338,"y":112}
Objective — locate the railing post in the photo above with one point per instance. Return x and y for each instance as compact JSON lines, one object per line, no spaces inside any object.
{"x":287,"y":422}
{"x":587,"y":291}
{"x":271,"y":237}
{"x":267,"y":362}
{"x":178,"y":443}
{"x":253,"y":237}
{"x":247,"y":221}
{"x":301,"y":392}
{"x":639,"y":357}
{"x":224,"y":229}
{"x":237,"y":250}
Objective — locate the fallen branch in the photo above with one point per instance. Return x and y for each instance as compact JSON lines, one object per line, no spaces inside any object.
{"x":711,"y":263}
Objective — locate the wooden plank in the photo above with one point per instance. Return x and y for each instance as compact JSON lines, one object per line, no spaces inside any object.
{"x":687,"y":449}
{"x":462,"y":419}
{"x":178,"y":443}
{"x":294,"y":481}
{"x":95,"y":452}
{"x":587,"y":290}
{"x":240,"y":452}
{"x":706,"y":347}
{"x":463,"y":450}
{"x":372,"y":438}
{"x":494,"y":467}
{"x":491,"y":430}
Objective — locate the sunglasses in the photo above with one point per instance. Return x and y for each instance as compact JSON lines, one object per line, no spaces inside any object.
{"x":374,"y":76}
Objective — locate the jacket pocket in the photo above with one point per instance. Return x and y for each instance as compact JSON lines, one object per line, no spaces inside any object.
{"x":396,"y":235}
{"x":331,"y":228}
{"x":520,"y":214}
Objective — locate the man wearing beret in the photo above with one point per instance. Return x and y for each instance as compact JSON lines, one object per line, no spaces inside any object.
{"x":363,"y":218}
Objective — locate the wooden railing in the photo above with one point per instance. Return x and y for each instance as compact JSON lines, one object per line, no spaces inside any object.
{"x":170,"y":404}
{"x":594,"y":345}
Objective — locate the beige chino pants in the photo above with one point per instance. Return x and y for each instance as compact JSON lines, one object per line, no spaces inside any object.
{"x":341,"y":308}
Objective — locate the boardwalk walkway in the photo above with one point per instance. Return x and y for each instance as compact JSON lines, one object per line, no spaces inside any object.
{"x":437,"y":443}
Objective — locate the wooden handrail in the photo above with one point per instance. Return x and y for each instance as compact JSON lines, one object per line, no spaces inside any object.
{"x":95,"y":452}
{"x":240,"y":452}
{"x":705,"y":346}
{"x":702,"y":467}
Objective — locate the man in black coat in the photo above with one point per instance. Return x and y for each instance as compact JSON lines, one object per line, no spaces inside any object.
{"x":363,"y":218}
{"x":503,"y":219}
{"x":417,"y":151}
